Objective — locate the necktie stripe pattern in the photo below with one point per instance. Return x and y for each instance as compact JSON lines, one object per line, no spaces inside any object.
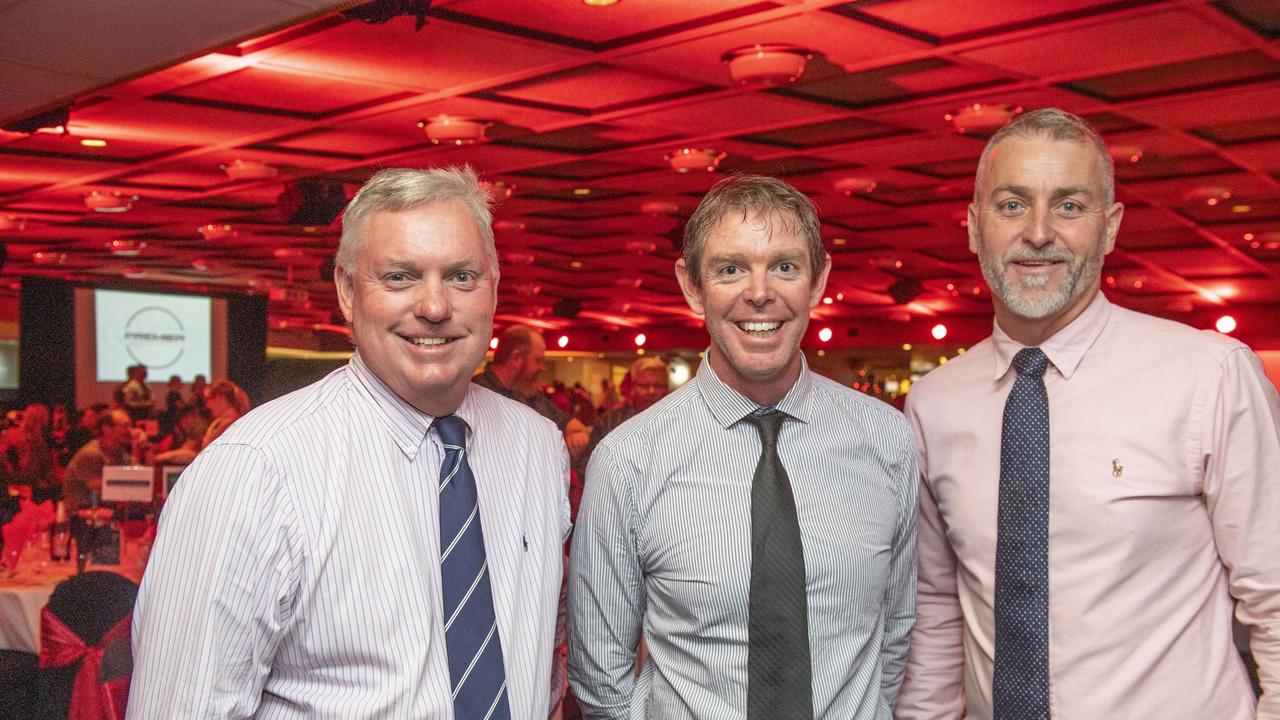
{"x":779,"y":666}
{"x":1020,"y":685}
{"x":471,"y":630}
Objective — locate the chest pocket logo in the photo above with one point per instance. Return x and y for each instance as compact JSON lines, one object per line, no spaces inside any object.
{"x":1116,"y":468}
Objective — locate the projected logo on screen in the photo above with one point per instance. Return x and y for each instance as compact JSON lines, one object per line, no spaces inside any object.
{"x":155,"y":337}
{"x":167,"y":333}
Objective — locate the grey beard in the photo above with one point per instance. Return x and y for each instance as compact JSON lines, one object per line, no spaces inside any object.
{"x":1039,"y":305}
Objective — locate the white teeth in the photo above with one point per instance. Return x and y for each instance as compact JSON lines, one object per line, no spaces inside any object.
{"x":426,"y":342}
{"x":759,"y":326}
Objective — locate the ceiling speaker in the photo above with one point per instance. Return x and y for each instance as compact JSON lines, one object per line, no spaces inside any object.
{"x":905,"y":289}
{"x":567,"y":308}
{"x":312,"y":202}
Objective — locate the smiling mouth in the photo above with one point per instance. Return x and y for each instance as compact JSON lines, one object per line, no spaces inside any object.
{"x":759,"y":329}
{"x":430,"y":341}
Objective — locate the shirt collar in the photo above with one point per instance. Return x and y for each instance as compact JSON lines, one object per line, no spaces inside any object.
{"x":728,"y":406}
{"x":406,"y":424}
{"x":1066,"y":348}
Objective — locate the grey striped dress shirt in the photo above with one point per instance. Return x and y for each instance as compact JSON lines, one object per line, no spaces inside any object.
{"x":663,"y":547}
{"x":297,"y":569}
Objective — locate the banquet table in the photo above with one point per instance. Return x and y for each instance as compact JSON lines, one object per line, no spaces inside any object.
{"x":24,"y":594}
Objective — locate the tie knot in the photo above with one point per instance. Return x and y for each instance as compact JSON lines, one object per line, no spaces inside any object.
{"x":767,"y":424}
{"x":452,"y":429}
{"x":1031,"y":361}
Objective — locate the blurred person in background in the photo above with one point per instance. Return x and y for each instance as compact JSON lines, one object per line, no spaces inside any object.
{"x":226,"y":403}
{"x":513,"y":373}
{"x":198,"y":386}
{"x":135,"y":395}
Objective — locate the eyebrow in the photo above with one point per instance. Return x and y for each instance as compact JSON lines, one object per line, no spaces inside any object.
{"x":741,"y":259}
{"x":1058,"y":193}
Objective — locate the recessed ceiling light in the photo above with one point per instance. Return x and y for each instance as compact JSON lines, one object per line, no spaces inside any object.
{"x":125,"y":248}
{"x":855,"y":185}
{"x":582,"y":192}
{"x":109,"y":202}
{"x":93,"y":142}
{"x":240,"y":169}
{"x":452,"y":130}
{"x":773,"y":63}
{"x":599,"y":3}
{"x":980,"y":117}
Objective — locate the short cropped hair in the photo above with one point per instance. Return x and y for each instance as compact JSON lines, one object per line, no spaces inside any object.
{"x":516,"y":337}
{"x":646,"y":364}
{"x":397,"y":189}
{"x":753,"y":196}
{"x":1053,"y":124}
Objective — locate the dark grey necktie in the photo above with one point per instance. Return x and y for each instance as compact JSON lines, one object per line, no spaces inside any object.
{"x":1020,"y":685}
{"x":779,"y":671}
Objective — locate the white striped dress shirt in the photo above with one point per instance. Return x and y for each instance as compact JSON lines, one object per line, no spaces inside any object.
{"x":663,"y":546}
{"x":297,"y":569}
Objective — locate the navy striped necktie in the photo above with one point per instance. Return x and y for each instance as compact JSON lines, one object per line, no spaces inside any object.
{"x":477,"y":677}
{"x":1020,"y":684}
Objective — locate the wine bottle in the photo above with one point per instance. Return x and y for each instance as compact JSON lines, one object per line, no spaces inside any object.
{"x":60,"y":535}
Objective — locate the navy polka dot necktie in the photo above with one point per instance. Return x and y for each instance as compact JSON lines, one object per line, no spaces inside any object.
{"x":1020,"y":685}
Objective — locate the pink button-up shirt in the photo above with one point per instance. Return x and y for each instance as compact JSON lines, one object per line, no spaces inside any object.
{"x":1164,"y":520}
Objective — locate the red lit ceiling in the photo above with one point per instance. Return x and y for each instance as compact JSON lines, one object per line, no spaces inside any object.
{"x":582,"y":105}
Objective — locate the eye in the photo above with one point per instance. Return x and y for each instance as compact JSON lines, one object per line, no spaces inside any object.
{"x":729,"y":270}
{"x":1070,"y":206}
{"x":464,"y":276}
{"x":1010,"y":206}
{"x":396,"y":278}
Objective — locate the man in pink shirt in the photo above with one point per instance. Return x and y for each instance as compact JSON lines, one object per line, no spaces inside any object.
{"x":1101,"y":488}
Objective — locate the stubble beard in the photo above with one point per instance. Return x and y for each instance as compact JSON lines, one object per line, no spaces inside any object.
{"x":1027,"y":296}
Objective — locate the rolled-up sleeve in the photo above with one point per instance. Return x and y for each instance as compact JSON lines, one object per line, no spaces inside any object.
{"x":219,"y":591}
{"x":1240,"y":446}
{"x":606,"y":591}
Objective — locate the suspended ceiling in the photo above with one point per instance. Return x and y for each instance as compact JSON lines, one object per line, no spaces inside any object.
{"x":583,"y":103}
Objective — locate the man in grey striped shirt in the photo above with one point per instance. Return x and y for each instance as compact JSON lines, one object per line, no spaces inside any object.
{"x":386,"y":542}
{"x":665,"y":537}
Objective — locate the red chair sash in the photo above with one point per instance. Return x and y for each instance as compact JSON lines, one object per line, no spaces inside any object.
{"x":90,"y":699}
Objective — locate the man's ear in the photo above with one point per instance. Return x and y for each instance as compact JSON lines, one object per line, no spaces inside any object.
{"x":692,"y":292}
{"x":346,"y":292}
{"x":1114,"y":215}
{"x":819,"y":287}
{"x":972,"y":227}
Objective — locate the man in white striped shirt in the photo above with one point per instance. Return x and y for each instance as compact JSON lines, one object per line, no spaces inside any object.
{"x":299,"y":570}
{"x":758,"y":525}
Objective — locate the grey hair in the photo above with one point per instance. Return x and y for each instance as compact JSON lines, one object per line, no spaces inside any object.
{"x":752,"y":196}
{"x":397,"y":189}
{"x":1054,"y":124}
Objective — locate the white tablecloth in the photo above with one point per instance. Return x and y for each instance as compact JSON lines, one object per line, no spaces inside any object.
{"x":24,"y":595}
